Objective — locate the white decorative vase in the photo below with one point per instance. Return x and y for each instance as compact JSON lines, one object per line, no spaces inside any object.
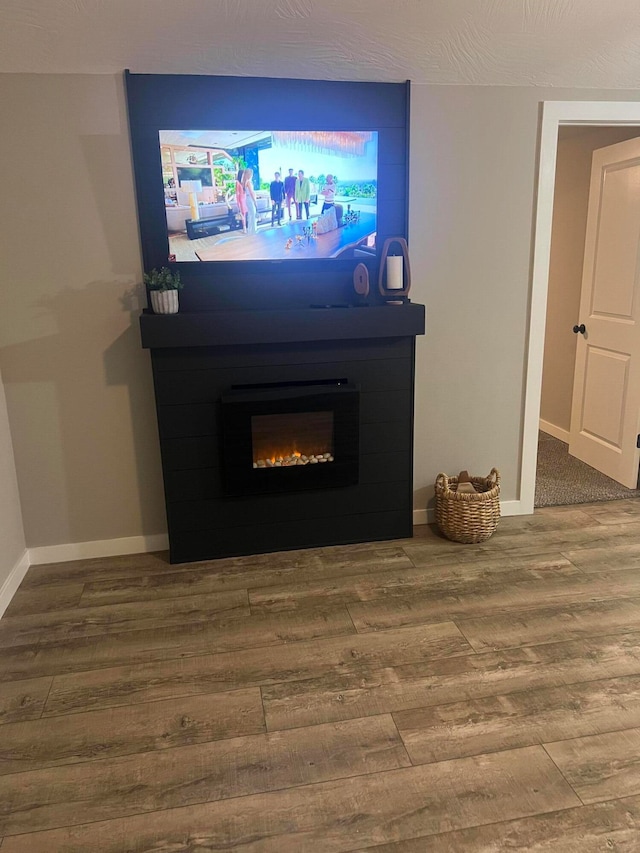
{"x":164,"y":301}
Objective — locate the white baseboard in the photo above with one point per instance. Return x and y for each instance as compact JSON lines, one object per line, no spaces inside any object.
{"x":98,"y":548}
{"x":422,"y":516}
{"x":160,"y":542}
{"x":11,"y":584}
{"x":555,"y":431}
{"x":141,"y":545}
{"x":508,"y":508}
{"x":427,"y":516}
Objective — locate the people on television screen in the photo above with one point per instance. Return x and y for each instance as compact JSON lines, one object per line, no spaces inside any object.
{"x":241,"y":200}
{"x":290,"y":191}
{"x":329,"y":193}
{"x":276,"y":191}
{"x":303,"y":195}
{"x":251,"y":201}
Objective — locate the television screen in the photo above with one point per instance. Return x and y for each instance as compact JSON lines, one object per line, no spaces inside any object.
{"x":243,"y":195}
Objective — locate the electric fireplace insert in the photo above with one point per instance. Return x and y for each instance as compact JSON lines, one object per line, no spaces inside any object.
{"x":282,"y":437}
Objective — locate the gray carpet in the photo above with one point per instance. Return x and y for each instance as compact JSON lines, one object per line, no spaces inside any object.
{"x":562,"y":479}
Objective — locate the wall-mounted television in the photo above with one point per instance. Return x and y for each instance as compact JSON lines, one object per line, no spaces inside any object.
{"x":191,"y":135}
{"x":266,"y":195}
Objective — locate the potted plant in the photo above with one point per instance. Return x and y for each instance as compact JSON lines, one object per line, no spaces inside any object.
{"x":163,"y":286}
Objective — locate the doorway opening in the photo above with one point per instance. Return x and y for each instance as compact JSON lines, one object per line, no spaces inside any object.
{"x":563,"y":475}
{"x":577,"y":119}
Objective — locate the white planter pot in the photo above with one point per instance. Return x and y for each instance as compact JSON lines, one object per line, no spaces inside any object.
{"x":164,"y":301}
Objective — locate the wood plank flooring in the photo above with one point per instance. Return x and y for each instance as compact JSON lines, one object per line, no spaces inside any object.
{"x":416,"y":696}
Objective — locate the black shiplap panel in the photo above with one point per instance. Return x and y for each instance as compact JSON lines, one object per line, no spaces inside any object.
{"x":197,"y":484}
{"x":190,"y":516}
{"x":204,"y":483}
{"x":394,"y":222}
{"x":385,"y":437}
{"x":201,"y":419}
{"x":329,"y":352}
{"x":206,"y":386}
{"x":392,"y":148}
{"x":314,"y":533}
{"x":179,"y":454}
{"x":185,"y":453}
{"x":377,"y":406}
{"x":198,"y":101}
{"x":391,"y":185}
{"x":189,"y":420}
{"x":385,"y":468}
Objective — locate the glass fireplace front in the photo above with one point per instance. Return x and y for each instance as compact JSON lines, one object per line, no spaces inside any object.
{"x":290,"y":436}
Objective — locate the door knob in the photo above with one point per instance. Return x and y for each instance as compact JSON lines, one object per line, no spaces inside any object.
{"x":581,"y":328}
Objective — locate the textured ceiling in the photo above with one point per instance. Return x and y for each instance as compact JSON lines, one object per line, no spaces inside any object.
{"x":575,"y":43}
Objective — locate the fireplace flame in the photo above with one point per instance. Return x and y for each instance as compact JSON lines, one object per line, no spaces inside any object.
{"x":288,"y":458}
{"x":281,"y":451}
{"x":298,"y":438}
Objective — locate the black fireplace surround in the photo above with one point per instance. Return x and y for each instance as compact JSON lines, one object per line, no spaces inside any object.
{"x":252,"y":323}
{"x":353,"y":367}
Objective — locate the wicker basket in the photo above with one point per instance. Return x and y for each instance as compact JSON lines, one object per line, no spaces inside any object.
{"x":468,"y":517}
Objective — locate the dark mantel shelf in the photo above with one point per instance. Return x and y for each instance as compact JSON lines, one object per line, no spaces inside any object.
{"x":229,"y":328}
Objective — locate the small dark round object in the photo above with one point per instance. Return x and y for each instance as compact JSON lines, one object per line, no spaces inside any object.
{"x":581,"y":328}
{"x":361,"y":280}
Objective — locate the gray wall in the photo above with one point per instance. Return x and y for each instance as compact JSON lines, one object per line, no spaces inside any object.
{"x":472,"y":176}
{"x":78,"y":386}
{"x":12,"y":545}
{"x":472,"y":207}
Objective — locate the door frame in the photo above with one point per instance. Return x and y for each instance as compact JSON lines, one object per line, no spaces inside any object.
{"x":554,"y":114}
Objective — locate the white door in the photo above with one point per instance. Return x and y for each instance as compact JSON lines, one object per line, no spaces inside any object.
{"x":606,"y":389}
